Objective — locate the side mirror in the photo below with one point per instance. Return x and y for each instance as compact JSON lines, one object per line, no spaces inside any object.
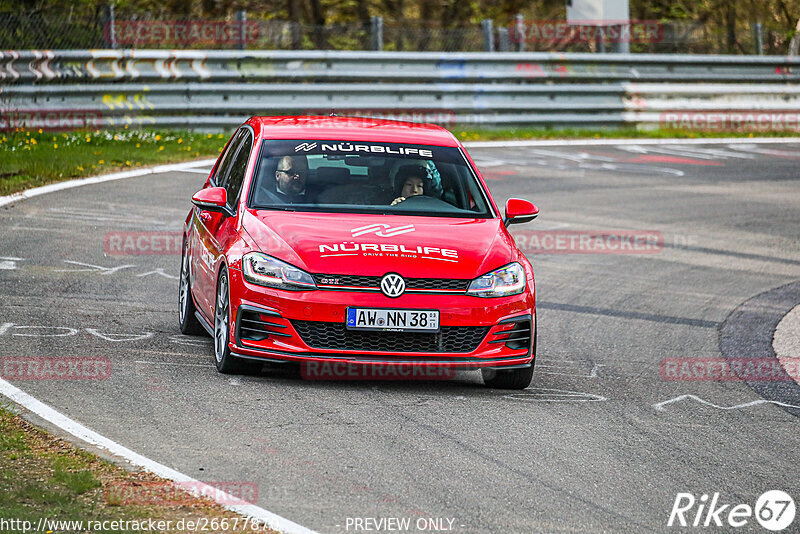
{"x":212,"y":199}
{"x":519,"y":211}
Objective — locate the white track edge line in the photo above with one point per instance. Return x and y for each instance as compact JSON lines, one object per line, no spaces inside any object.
{"x":188,"y":483}
{"x":50,"y":188}
{"x":647,"y":141}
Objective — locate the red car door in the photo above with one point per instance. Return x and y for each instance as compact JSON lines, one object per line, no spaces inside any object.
{"x":205,"y":245}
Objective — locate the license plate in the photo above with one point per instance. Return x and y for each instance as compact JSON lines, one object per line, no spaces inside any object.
{"x":392,"y":320}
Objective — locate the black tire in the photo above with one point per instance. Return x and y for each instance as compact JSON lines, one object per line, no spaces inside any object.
{"x":186,"y":309}
{"x":511,"y":378}
{"x":226,"y":362}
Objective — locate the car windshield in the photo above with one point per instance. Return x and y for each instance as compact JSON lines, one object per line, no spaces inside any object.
{"x":365,"y":177}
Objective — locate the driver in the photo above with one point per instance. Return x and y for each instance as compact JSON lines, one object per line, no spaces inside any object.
{"x":290,"y":178}
{"x":410,"y":181}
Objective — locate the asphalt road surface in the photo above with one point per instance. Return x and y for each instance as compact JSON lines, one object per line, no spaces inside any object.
{"x":594,"y":445}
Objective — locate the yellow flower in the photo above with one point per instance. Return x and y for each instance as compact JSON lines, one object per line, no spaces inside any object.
{"x":33,"y":140}
{"x":116,"y":138}
{"x":209,"y":136}
{"x":188,"y":149}
{"x":128,"y":162}
{"x":220,"y":136}
{"x":138,"y":145}
{"x":88,"y":139}
{"x":158,"y":138}
{"x":161,"y":148}
{"x":55,"y":145}
{"x":40,"y":130}
{"x":101,"y":162}
{"x":180,"y":140}
{"x":80,"y":168}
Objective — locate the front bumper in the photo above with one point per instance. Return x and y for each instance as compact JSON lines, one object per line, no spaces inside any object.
{"x":308,"y":326}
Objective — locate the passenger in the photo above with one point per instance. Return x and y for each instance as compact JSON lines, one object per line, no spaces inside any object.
{"x":410,"y":181}
{"x":290,"y":178}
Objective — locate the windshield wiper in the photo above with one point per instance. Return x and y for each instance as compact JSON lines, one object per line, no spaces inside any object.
{"x":279,"y":208}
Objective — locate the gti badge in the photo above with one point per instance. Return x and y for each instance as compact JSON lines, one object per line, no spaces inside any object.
{"x":305,"y":147}
{"x":382,"y":230}
{"x":393,"y":285}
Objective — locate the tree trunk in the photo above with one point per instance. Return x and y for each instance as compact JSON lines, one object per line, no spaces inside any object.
{"x":362,"y":12}
{"x":318,"y":19}
{"x":730,"y":27}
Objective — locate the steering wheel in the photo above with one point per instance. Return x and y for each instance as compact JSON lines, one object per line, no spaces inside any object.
{"x":415,"y":198}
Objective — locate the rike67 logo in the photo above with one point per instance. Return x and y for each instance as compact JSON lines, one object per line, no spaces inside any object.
{"x":774,"y":510}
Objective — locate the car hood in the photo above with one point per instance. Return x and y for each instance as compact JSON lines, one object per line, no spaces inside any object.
{"x":372,"y":245}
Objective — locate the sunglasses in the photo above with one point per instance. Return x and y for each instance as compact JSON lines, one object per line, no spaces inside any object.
{"x":296,"y":173}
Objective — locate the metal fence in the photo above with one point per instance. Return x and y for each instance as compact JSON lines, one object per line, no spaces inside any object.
{"x":85,"y":27}
{"x":69,"y":66}
{"x":219,"y":89}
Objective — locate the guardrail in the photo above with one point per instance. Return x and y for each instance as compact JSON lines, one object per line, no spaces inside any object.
{"x":219,"y":89}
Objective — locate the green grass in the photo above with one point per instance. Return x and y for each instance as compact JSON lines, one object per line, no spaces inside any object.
{"x":12,"y":439}
{"x":37,"y":480}
{"x":33,"y":158}
{"x":500,"y":134}
{"x":43,"y":476}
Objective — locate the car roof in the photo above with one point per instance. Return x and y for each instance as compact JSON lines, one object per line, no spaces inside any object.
{"x":352,"y":129}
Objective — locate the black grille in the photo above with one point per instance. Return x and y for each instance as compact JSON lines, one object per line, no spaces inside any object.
{"x":375,"y":282}
{"x":437,"y":283}
{"x":258,"y":325}
{"x":347,"y":280}
{"x":516,"y":335}
{"x":323,"y":335}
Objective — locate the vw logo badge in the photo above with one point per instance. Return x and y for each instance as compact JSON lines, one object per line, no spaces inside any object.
{"x":393,"y":285}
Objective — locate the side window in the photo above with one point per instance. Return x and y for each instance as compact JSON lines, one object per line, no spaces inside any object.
{"x":235,"y":178}
{"x":227,"y":159}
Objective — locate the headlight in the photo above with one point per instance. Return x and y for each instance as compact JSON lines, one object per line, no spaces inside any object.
{"x":267,"y":271}
{"x":502,"y":282}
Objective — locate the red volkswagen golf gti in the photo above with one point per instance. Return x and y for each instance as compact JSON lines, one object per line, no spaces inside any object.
{"x":356,"y":241}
